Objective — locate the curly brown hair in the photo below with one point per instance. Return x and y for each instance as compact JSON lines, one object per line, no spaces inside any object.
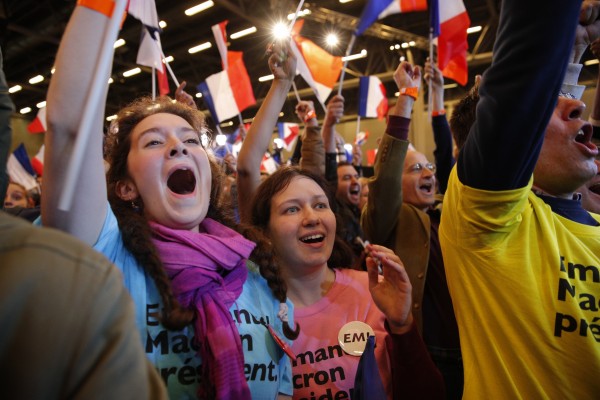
{"x":136,"y":231}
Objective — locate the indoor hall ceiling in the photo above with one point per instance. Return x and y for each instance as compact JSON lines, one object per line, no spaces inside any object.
{"x":30,"y":32}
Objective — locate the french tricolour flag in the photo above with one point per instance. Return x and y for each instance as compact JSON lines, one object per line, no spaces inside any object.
{"x":38,"y":125}
{"x":229,"y":92}
{"x":288,"y":132}
{"x":449,"y":23}
{"x":372,"y":98}
{"x":319,"y":69}
{"x":221,"y":40}
{"x":377,"y":9}
{"x":19,"y":168}
{"x":268,"y":164}
{"x":150,"y":55}
{"x":37,"y":162}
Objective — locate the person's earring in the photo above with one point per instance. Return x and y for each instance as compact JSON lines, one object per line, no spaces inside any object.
{"x":135,"y":207}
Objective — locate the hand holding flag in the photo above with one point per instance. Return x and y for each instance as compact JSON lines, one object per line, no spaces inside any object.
{"x":183,"y":97}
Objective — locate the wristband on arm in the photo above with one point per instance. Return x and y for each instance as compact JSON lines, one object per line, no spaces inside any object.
{"x":410,"y":91}
{"x":309,"y":115}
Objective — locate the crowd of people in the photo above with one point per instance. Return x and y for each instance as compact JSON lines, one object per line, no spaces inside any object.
{"x":177,"y":275}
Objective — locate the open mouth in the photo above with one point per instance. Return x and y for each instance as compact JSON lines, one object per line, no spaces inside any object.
{"x":595,"y":188}
{"x":426,"y":187}
{"x":182,"y":181}
{"x":584,"y":135}
{"x":318,"y":238}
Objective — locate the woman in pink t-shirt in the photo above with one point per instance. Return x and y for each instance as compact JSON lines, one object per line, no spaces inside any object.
{"x":293,"y":207}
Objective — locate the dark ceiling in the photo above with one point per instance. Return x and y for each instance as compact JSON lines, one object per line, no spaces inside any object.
{"x":30,"y":32}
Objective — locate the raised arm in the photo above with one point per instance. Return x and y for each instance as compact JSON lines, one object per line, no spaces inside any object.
{"x":441,"y":130}
{"x":385,"y":187}
{"x":518,"y":93}
{"x":335,"y":111}
{"x":282,"y":64}
{"x":312,"y":150}
{"x":76,"y":61}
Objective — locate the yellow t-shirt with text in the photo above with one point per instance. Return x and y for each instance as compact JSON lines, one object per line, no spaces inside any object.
{"x":525,"y":284}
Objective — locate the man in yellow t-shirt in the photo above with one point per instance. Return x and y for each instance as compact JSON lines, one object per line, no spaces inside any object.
{"x":522,"y":256}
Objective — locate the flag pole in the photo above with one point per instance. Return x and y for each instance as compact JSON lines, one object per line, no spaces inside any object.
{"x":293,"y":22}
{"x":164,"y":59}
{"x":92,"y":104}
{"x":348,"y":51}
{"x":430,"y":84}
{"x":153,"y":83}
{"x":296,"y":91}
{"x":357,"y":125}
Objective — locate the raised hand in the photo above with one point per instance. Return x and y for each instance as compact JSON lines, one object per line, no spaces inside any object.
{"x":392,"y":292}
{"x":303,"y":108}
{"x":407,"y":75}
{"x":335,"y":110}
{"x":282,"y":61}
{"x":183,"y":97}
{"x":588,"y":29}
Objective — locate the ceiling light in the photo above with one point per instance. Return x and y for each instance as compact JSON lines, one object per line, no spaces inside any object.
{"x":168,"y":59}
{"x":451,"y":86}
{"x":280,"y":30}
{"x":162,"y":24}
{"x":111,"y":118}
{"x":332,"y":40}
{"x":281,"y":114}
{"x":132,"y":72}
{"x":200,"y":47}
{"x":15,"y":89}
{"x":36,"y":79}
{"x":247,"y":31}
{"x":404,"y":45}
{"x":110,"y":80}
{"x":412,"y":43}
{"x":266,"y":78}
{"x":473,"y":29}
{"x":119,"y":43}
{"x":25,"y":110}
{"x":41,"y":104}
{"x":199,"y":8}
{"x":53,"y":70}
{"x":588,"y":62}
{"x":362,"y":54}
{"x":198,"y":95}
{"x":345,"y":1}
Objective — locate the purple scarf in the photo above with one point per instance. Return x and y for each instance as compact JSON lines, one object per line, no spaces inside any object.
{"x":207,"y":272}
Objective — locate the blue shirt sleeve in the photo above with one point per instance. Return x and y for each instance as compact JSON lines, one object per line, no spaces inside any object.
{"x":518,"y":93}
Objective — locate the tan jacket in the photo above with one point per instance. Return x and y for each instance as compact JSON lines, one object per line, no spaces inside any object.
{"x":68,"y":323}
{"x":387,"y":221}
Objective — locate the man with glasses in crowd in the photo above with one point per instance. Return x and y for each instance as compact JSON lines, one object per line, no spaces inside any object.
{"x":403,"y":213}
